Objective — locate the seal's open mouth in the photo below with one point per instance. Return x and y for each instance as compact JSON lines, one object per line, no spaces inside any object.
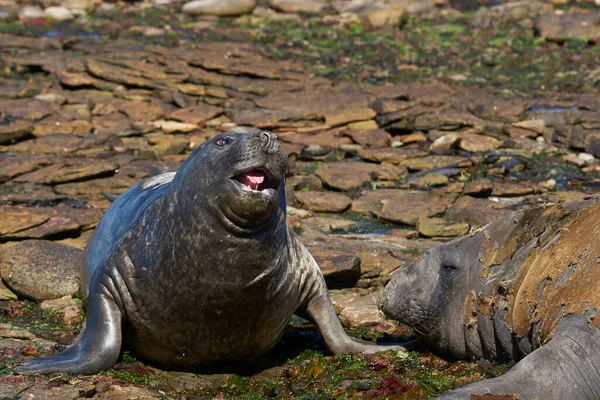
{"x":257,"y":179}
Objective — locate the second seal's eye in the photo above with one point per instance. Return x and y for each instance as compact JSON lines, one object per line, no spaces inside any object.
{"x":223,"y":142}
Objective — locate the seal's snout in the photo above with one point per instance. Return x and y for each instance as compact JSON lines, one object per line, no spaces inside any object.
{"x":269,"y":141}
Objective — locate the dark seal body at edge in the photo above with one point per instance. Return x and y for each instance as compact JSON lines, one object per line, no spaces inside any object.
{"x":523,"y":288}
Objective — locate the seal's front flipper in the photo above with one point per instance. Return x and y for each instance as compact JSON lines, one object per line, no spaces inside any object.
{"x":97,"y":349}
{"x":319,"y":310}
{"x":316,"y":306}
{"x":568,"y":367}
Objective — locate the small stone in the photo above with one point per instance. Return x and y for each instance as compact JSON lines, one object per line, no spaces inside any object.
{"x":15,"y":131}
{"x":369,"y":137}
{"x":349,"y":115}
{"x":219,"y":7}
{"x":536,"y":125}
{"x":175,"y":127}
{"x":479,"y":188}
{"x":51,"y":97}
{"x":588,"y":158}
{"x":9,"y":12}
{"x":31,"y":12}
{"x":298,"y":6}
{"x":192,"y":89}
{"x":393,"y":15}
{"x":12,"y":332}
{"x":298,"y":212}
{"x":445,"y":144}
{"x":439,"y":227}
{"x":58,"y":13}
{"x":429,"y":180}
{"x":69,"y":308}
{"x":370,"y":124}
{"x":6,"y":293}
{"x":550,"y":185}
{"x":478,"y":143}
{"x":414,"y":138}
{"x":357,"y":310}
{"x":575,"y":159}
{"x":324,"y":201}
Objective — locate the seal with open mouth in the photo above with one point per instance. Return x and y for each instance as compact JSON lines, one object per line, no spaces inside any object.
{"x":524,"y":288}
{"x":198,"y":267}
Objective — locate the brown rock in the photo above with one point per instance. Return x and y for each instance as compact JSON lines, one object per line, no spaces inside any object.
{"x":338,"y":268}
{"x":11,"y":166}
{"x":15,"y":131}
{"x":6,"y":293}
{"x":82,"y":79}
{"x":197,"y":115}
{"x":117,"y":392}
{"x":575,"y":23}
{"x":407,"y":207}
{"x":40,"y":222}
{"x":316,"y":103}
{"x":392,"y":15}
{"x":511,"y":189}
{"x":323,"y":201}
{"x":414,"y":137}
{"x":41,"y":391}
{"x":295,"y":6}
{"x":479,"y":188}
{"x":28,"y":109}
{"x":347,"y":175}
{"x":445,"y":144}
{"x":349,"y":115}
{"x":330,"y":139}
{"x":474,"y":211}
{"x":39,"y":269}
{"x":14,"y":221}
{"x":369,"y":137}
{"x":57,"y":125}
{"x":428,"y":180}
{"x":141,"y":111}
{"x":439,"y":227}
{"x":69,"y":308}
{"x":431,"y":162}
{"x":118,"y":74}
{"x":478,"y":143}
{"x":69,"y":172}
{"x":10,"y":331}
{"x":392,"y":155}
{"x":357,"y":310}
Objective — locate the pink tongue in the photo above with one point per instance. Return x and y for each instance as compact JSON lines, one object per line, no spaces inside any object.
{"x":253,"y":179}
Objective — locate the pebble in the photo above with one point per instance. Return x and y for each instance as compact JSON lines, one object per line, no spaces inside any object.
{"x":219,"y":7}
{"x":58,"y":13}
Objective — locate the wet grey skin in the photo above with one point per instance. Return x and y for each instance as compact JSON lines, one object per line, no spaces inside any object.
{"x":523,"y":288}
{"x":198,"y":268}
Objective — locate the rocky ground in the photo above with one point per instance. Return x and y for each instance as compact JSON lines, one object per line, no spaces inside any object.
{"x":405,"y":127}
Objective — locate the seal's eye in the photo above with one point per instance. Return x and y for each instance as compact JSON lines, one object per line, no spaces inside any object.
{"x":223,"y":142}
{"x":450,"y":268}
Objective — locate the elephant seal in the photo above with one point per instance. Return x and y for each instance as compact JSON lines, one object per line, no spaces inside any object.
{"x":198,"y":267}
{"x":524,"y":288}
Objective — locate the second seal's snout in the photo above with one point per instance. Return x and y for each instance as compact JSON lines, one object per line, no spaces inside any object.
{"x":269,"y":141}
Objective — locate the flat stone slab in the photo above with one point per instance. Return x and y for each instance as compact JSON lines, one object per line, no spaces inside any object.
{"x":324,"y":201}
{"x":39,"y":269}
{"x":347,"y":175}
